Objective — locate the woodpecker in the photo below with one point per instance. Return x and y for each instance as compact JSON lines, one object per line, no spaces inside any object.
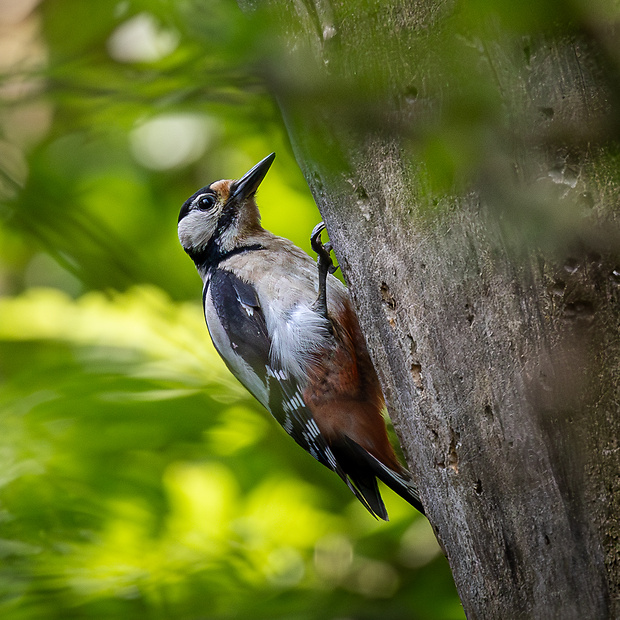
{"x":287,"y":330}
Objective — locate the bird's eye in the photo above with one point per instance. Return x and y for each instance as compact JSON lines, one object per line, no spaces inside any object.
{"x":206,"y":202}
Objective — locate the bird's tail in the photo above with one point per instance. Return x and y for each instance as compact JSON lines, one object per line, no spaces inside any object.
{"x":365,"y":480}
{"x":395,"y":480}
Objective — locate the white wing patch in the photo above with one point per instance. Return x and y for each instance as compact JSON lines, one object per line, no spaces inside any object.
{"x":248,"y":309}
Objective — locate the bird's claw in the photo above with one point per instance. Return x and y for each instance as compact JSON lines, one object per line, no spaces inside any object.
{"x":323,"y":250}
{"x":325,"y":265}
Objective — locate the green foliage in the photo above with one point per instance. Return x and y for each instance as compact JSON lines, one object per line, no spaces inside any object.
{"x":139,"y":480}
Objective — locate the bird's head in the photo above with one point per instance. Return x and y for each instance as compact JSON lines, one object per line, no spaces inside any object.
{"x":218,"y":217}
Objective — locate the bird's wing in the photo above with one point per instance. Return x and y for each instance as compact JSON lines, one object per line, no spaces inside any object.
{"x":239,"y":331}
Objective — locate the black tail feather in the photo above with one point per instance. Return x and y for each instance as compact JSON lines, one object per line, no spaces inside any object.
{"x":367,"y":486}
{"x":366,"y":468}
{"x":366,"y":490}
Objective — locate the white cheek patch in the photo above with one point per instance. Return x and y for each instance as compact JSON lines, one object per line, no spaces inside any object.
{"x":196,"y":229}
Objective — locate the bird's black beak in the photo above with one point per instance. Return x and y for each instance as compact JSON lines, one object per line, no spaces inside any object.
{"x":247,"y":185}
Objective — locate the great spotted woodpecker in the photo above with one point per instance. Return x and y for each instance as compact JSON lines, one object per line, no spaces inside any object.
{"x":286,"y":329}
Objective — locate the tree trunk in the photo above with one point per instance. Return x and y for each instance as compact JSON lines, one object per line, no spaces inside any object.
{"x":468,"y":179}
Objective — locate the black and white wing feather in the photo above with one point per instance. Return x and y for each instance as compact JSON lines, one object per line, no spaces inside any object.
{"x":239,"y":332}
{"x":240,"y":335}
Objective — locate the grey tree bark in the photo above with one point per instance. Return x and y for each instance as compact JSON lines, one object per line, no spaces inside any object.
{"x":468,"y":177}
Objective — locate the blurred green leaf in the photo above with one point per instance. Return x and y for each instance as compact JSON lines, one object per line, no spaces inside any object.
{"x":125,"y":454}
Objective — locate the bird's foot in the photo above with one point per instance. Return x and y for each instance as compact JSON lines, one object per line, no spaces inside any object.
{"x":323,"y":250}
{"x":325,"y":265}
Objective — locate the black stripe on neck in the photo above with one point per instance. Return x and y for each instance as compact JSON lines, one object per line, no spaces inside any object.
{"x":211,"y":257}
